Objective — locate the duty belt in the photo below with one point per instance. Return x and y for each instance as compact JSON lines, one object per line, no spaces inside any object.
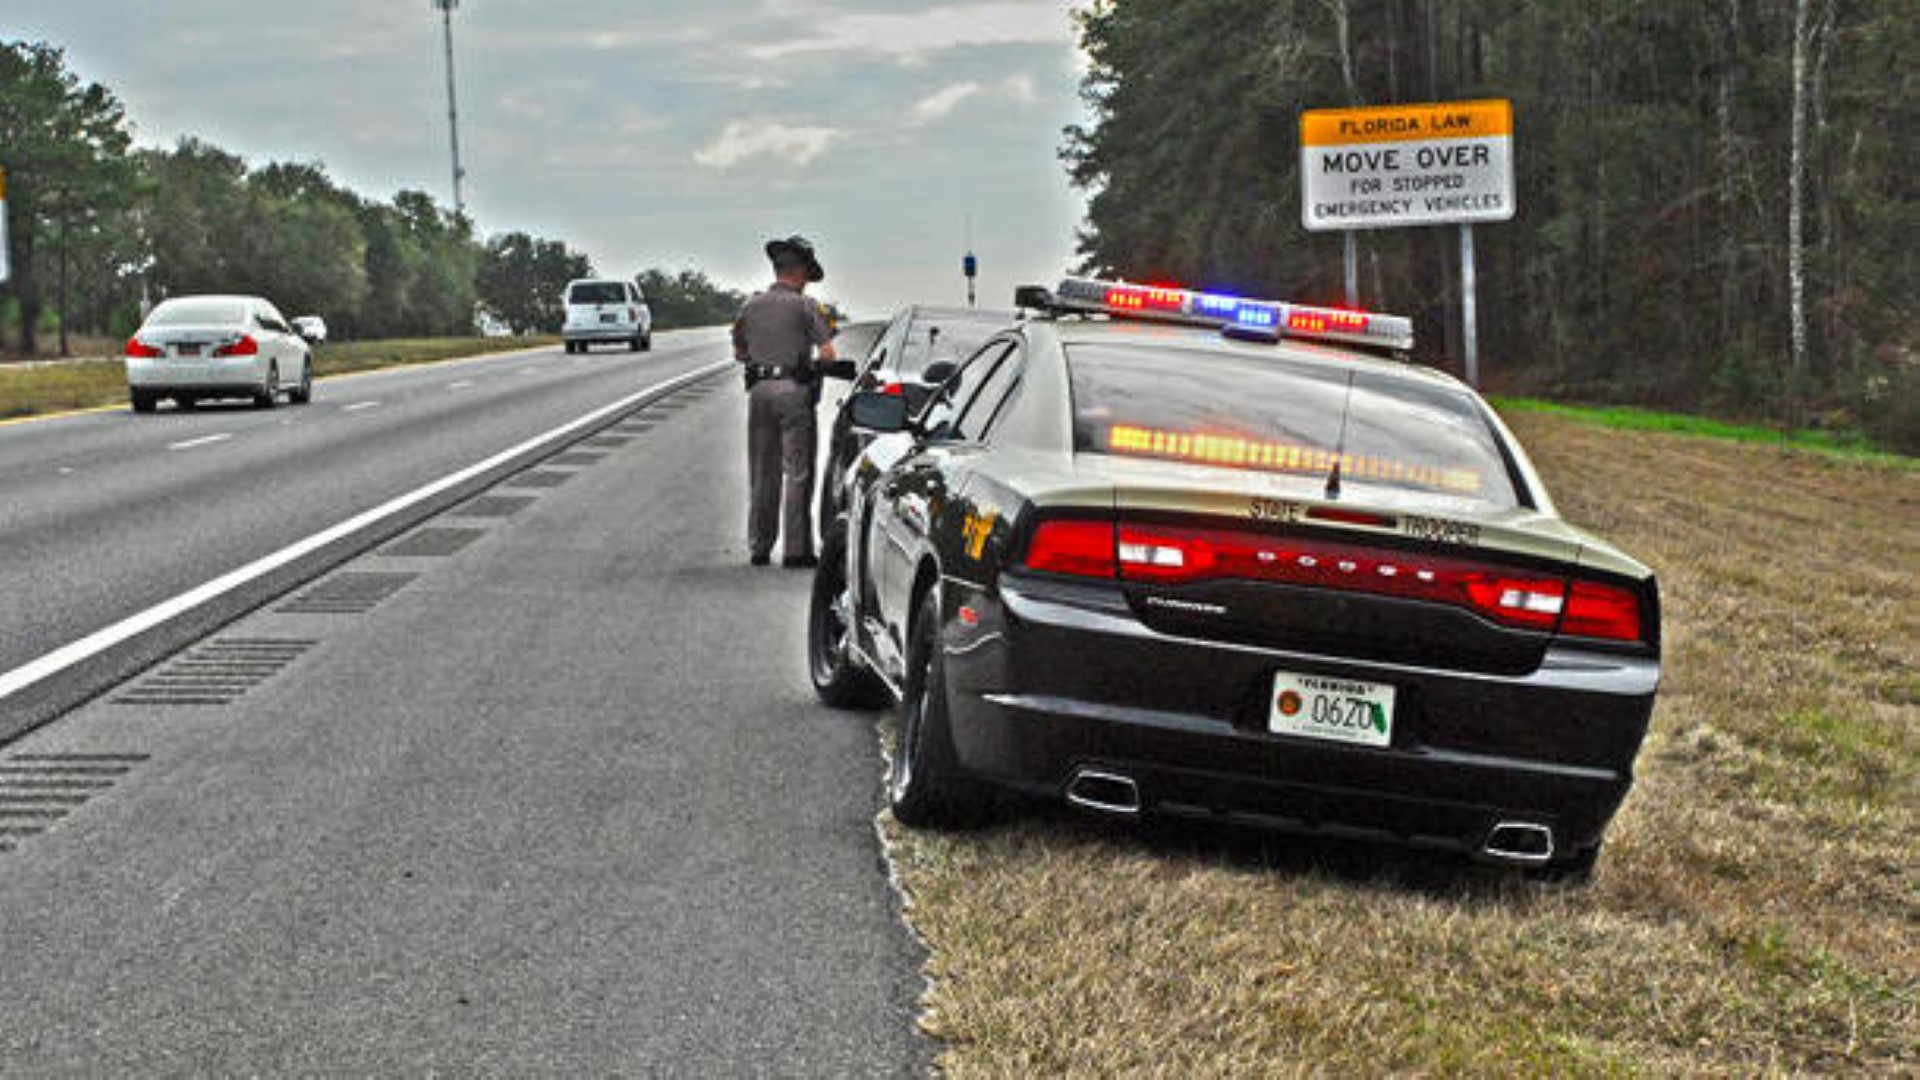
{"x":770,"y":371}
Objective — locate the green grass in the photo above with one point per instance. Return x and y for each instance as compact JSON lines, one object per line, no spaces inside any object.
{"x":36,"y":389}
{"x":1845,"y":446}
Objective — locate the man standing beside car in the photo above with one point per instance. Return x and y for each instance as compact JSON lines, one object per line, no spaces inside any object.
{"x":774,"y":338}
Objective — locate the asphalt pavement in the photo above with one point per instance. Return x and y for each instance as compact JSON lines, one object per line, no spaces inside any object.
{"x":537,"y":787}
{"x":105,"y":514}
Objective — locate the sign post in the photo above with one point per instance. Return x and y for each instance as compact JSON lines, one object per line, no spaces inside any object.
{"x":1395,"y":166}
{"x":5,"y":268}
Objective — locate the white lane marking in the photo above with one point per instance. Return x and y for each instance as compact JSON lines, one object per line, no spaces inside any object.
{"x":529,"y":371}
{"x":100,"y":641}
{"x":206,"y":440}
{"x":461,"y":385}
{"x":358,"y":405}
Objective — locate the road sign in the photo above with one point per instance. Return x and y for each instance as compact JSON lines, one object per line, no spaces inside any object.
{"x":1399,"y":165}
{"x":4,"y":268}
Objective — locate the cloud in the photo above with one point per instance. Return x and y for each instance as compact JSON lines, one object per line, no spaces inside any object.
{"x":911,"y":36}
{"x":941,"y":103}
{"x":742,"y":140}
{"x":938,"y":104}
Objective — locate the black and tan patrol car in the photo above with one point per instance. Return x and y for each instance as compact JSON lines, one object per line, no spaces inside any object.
{"x":1156,"y":551}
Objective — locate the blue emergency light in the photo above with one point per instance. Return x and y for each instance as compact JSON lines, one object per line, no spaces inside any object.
{"x":1259,"y":320}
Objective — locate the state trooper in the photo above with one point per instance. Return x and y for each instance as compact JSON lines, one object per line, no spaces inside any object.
{"x":774,"y":339}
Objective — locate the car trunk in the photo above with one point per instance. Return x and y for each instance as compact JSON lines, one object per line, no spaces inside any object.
{"x":192,"y":342}
{"x":1353,"y":577}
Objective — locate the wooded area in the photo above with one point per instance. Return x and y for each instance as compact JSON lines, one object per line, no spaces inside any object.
{"x":97,"y":226}
{"x":1716,"y":202}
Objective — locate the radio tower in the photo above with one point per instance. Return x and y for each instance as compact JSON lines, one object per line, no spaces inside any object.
{"x":445,"y":8}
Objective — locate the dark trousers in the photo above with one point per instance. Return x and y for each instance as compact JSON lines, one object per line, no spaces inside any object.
{"x":782,"y":442}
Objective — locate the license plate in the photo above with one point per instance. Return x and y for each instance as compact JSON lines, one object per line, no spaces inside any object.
{"x":1332,"y":710}
{"x":609,"y":318}
{"x":186,"y":350}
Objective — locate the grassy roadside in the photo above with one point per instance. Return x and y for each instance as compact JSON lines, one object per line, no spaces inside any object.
{"x":33,"y":389}
{"x":1754,"y":911}
{"x":1631,"y":418}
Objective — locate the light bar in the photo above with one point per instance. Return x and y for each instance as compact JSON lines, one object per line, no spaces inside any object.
{"x":1259,"y":320}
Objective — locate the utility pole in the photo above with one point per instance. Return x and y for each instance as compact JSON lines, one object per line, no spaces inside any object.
{"x":453,"y":109}
{"x":970,"y":266}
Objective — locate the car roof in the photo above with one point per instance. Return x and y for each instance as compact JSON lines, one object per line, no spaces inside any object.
{"x":986,"y":315}
{"x":224,"y":298}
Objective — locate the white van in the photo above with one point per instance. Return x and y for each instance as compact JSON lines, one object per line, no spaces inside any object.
{"x":605,"y":310}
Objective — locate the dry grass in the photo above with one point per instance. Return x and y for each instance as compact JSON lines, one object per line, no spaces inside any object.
{"x":30,"y":389}
{"x":1757,"y":909}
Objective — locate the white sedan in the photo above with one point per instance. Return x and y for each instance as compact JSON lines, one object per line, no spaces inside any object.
{"x":193,"y":348}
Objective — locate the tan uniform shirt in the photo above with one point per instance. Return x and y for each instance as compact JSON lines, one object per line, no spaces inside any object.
{"x":780,"y":327}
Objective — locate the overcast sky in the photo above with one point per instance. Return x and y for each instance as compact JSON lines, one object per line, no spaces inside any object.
{"x":656,"y":133}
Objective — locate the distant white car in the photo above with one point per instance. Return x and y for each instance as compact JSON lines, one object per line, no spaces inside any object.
{"x":606,"y":310}
{"x":195,"y":348}
{"x":311,"y":327}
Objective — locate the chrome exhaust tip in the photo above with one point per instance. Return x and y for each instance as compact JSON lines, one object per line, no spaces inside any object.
{"x":1107,"y":792}
{"x":1523,"y":843}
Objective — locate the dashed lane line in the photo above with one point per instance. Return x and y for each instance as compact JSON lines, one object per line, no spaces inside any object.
{"x":204,"y":440}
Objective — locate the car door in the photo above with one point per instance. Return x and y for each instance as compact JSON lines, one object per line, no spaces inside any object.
{"x":922,"y":484}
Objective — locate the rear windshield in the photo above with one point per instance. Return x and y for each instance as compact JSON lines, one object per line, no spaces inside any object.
{"x":598,"y":292}
{"x":1276,"y":415}
{"x":934,"y":338}
{"x":199,"y":313}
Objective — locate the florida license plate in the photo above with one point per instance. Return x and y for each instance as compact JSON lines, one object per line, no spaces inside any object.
{"x":1332,"y":710}
{"x":186,"y":350}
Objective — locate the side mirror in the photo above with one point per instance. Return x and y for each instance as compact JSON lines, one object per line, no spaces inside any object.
{"x":835,"y":369}
{"x":882,"y":414}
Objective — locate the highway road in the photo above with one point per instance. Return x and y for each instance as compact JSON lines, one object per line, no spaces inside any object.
{"x":536,"y":786}
{"x":105,"y":514}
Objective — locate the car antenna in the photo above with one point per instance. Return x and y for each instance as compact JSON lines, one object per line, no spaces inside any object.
{"x":1340,"y":445}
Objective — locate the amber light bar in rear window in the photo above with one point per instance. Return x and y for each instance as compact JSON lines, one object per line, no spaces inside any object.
{"x":1235,"y":452}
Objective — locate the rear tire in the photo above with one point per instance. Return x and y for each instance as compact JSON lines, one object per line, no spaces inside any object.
{"x":646,"y":342}
{"x":635,"y":344}
{"x":840,"y":679}
{"x":268,"y":396}
{"x":923,"y":788}
{"x":186,"y":402}
{"x":303,"y":393}
{"x":144,"y":401}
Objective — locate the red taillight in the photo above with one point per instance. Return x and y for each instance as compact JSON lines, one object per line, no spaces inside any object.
{"x":246,"y":346}
{"x":1602,"y":611}
{"x":1080,"y":548}
{"x":894,"y":389}
{"x":1169,"y":555}
{"x":140,"y":350}
{"x":633,"y":315}
{"x":1174,"y":556}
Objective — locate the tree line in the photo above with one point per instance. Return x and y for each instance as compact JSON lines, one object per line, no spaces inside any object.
{"x":1717,"y":207}
{"x":100,"y":229}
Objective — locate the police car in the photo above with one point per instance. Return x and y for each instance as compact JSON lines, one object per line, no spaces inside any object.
{"x":1163,"y":551}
